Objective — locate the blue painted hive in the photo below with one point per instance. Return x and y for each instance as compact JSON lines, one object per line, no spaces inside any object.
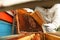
{"x":5,"y":28}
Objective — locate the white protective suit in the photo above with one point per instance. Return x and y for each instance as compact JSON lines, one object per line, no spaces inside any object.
{"x":12,"y":2}
{"x":52,"y":17}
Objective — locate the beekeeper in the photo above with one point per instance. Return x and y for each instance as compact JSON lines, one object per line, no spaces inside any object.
{"x":51,"y":16}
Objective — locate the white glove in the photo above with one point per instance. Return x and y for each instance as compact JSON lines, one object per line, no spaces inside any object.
{"x":50,"y":27}
{"x":55,"y":22}
{"x":28,"y":10}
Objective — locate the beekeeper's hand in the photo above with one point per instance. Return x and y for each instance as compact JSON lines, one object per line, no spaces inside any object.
{"x":50,"y":27}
